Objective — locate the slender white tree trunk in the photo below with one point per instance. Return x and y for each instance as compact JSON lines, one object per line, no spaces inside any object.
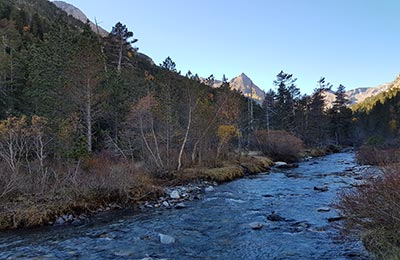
{"x":89,"y":118}
{"x":185,"y":139}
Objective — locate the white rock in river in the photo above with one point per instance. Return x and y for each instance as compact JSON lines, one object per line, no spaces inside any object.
{"x":165,"y":204}
{"x":323,"y":209}
{"x":279,"y":164}
{"x":180,"y":206}
{"x":209,"y":189}
{"x":165,"y":239}
{"x":174,"y":194}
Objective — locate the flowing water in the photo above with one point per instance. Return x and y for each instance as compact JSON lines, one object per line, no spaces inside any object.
{"x":217,"y":226}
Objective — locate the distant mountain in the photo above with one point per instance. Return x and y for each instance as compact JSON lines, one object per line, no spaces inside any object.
{"x":357,"y":95}
{"x":390,"y":90}
{"x":360,"y":94}
{"x":245,"y":85}
{"x":78,"y":14}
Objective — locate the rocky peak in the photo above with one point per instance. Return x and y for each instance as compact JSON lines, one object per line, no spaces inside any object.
{"x":245,"y":85}
{"x":79,"y":15}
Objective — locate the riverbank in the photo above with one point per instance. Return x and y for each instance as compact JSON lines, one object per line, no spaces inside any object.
{"x":75,"y":204}
{"x":220,"y":225}
{"x":372,"y":209}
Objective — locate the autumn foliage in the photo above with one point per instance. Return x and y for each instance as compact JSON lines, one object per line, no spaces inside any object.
{"x":279,"y":145}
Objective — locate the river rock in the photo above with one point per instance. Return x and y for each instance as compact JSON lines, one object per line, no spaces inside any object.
{"x":323,"y":209}
{"x":166,"y":240}
{"x":275,"y":217}
{"x":124,"y":252}
{"x":180,"y":206}
{"x":256,"y":225}
{"x":174,"y":195}
{"x":333,"y":219}
{"x":301,"y":224}
{"x":279,"y":164}
{"x":288,"y":166}
{"x":165,"y":204}
{"x":209,"y":189}
{"x":77,"y":222}
{"x":321,"y":188}
{"x":59,"y":221}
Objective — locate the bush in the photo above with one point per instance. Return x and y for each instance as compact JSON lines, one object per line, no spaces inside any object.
{"x":380,"y":156}
{"x":278,"y":145}
{"x":32,"y":197}
{"x":373,"y":211}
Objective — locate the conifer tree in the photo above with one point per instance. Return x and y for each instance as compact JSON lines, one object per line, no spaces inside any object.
{"x":340,"y":117}
{"x":122,"y":38}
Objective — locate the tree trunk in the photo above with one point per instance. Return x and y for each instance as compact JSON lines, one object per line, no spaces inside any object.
{"x":89,"y":118}
{"x":120,"y":57}
{"x":185,"y":139}
{"x":147,"y":144}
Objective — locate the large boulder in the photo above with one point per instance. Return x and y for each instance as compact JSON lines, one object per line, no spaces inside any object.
{"x":165,"y":239}
{"x":175,"y":195}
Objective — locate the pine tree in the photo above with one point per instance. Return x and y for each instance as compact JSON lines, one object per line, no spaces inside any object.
{"x":287,"y":97}
{"x":85,"y":73}
{"x":340,"y":115}
{"x":317,"y":123}
{"x":122,"y":38}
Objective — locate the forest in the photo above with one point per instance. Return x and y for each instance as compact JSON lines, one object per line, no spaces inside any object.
{"x":87,"y":120}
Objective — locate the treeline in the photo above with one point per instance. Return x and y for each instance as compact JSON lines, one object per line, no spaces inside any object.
{"x":377,"y":119}
{"x":308,"y":116}
{"x":101,"y":95}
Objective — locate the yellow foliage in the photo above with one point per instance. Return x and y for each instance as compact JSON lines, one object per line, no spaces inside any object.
{"x":226,"y":133}
{"x":130,"y":54}
{"x":393,"y":125}
{"x":12,"y":125}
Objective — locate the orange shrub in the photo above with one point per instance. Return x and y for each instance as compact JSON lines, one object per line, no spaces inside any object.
{"x":278,"y":145}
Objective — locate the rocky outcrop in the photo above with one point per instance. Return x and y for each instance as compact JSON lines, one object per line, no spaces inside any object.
{"x":79,"y":15}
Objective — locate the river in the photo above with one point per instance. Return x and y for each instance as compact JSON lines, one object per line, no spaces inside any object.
{"x":217,"y":226}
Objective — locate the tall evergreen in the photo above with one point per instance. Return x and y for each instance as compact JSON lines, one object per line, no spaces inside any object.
{"x":340,"y":117}
{"x":287,"y":97}
{"x":122,"y":40}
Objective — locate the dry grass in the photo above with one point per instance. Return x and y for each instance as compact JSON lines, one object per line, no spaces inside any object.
{"x":228,"y":171}
{"x":39,"y":197}
{"x":222,"y":174}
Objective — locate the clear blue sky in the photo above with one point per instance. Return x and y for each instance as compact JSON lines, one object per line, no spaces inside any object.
{"x":352,"y":42}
